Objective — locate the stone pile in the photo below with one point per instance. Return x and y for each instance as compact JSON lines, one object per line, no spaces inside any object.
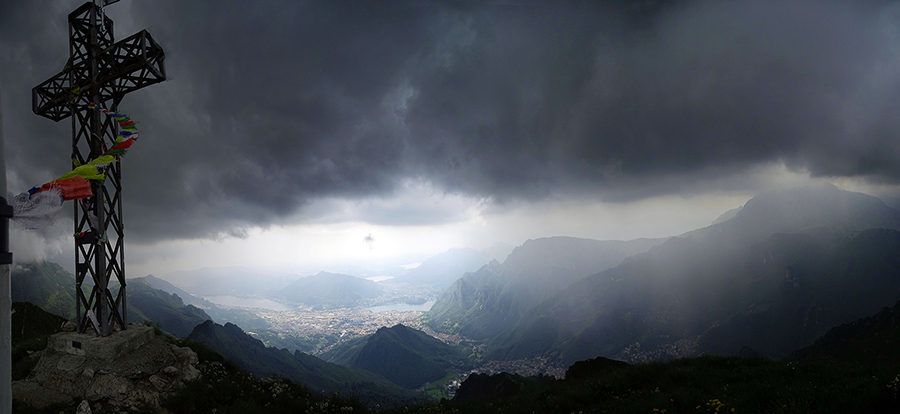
{"x":129,"y":369}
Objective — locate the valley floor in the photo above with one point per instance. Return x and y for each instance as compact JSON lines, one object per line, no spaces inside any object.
{"x":336,"y":325}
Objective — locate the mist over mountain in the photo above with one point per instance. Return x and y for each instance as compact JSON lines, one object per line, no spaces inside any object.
{"x":405,"y":356}
{"x":329,"y":290}
{"x":728,"y":215}
{"x":235,"y":281}
{"x":49,"y":286}
{"x":494,"y":297}
{"x":440,"y":271}
{"x":794,"y":209}
{"x":787,"y":267}
{"x":165,"y":286}
{"x":164,"y":309}
{"x":241,"y":317}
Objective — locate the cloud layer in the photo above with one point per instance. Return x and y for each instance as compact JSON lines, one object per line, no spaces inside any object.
{"x":273,"y":107}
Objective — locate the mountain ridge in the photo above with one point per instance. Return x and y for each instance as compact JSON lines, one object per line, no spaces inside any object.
{"x":483,"y":302}
{"x":326,"y":290}
{"x":405,"y":356}
{"x":705,"y":290}
{"x":441,"y":270}
{"x":319,"y":376}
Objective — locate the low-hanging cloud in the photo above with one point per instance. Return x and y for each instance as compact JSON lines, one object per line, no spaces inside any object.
{"x":275,"y":105}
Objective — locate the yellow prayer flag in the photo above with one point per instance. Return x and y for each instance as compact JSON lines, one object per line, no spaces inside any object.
{"x":89,"y":172}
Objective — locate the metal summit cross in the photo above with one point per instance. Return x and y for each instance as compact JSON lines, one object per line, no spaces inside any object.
{"x":99,"y":71}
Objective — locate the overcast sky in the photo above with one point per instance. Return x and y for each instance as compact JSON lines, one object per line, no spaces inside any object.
{"x":320,"y":133}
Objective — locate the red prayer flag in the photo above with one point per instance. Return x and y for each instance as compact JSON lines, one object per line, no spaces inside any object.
{"x":71,"y":188}
{"x":124,"y":144}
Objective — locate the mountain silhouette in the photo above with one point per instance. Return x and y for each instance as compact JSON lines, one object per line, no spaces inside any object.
{"x":405,"y":356}
{"x":787,"y":267}
{"x":489,"y":300}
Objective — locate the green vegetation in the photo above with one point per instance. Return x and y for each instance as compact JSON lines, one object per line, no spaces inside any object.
{"x":250,"y":354}
{"x":438,"y":389}
{"x":867,"y":341}
{"x":50,"y":287}
{"x":407,"y":357}
{"x":165,"y":310}
{"x":31,"y":326}
{"x":694,"y":385}
{"x":46,"y":285}
{"x":225,"y":388}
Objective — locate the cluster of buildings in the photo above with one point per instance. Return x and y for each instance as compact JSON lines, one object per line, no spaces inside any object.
{"x":337,"y":325}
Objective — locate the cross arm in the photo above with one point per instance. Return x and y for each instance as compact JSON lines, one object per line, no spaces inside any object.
{"x":127,"y":66}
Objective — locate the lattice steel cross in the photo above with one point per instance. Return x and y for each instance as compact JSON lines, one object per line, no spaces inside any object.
{"x":99,"y":71}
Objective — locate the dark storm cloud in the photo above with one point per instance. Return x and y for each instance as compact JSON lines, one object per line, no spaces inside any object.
{"x":273,"y":105}
{"x":568,"y":98}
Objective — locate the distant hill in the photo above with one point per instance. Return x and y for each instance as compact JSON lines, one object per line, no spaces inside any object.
{"x":240,"y":317}
{"x":796,"y":209}
{"x":50,"y":287}
{"x":442,"y":270}
{"x":329,"y":291}
{"x":724,"y":287}
{"x":405,"y":356}
{"x":321,"y":377}
{"x":166,"y":310}
{"x":46,"y":285}
{"x":870,"y":341}
{"x":491,"y":299}
{"x":165,"y":286}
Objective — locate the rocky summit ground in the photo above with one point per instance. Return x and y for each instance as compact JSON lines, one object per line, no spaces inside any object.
{"x":139,"y":379}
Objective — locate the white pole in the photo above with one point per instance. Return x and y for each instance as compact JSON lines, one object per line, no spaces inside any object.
{"x":5,"y":289}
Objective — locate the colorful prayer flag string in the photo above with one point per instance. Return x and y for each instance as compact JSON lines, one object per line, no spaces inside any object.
{"x":37,"y":207}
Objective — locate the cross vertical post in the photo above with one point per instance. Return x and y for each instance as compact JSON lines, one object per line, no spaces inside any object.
{"x":99,"y":71}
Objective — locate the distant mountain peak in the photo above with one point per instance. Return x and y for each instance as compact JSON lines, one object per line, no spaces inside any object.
{"x":405,"y":356}
{"x":330,"y":290}
{"x":489,"y":300}
{"x":795,"y":209}
{"x":728,"y":215}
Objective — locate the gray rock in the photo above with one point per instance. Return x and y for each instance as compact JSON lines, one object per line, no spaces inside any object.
{"x":83,"y":408}
{"x":142,"y":377}
{"x":159,"y":383}
{"x":70,"y":363}
{"x":186,"y":355}
{"x":191,"y":373}
{"x":68,"y":326}
{"x":38,"y":396}
{"x":108,"y":386}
